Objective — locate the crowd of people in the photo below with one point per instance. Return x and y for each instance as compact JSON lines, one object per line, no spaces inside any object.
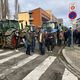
{"x":47,"y":40}
{"x":72,"y":36}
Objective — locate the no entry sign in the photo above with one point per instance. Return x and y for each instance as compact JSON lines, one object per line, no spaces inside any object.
{"x":72,"y":15}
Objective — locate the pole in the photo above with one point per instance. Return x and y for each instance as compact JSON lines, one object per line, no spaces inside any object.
{"x":72,"y":38}
{"x":72,"y":33}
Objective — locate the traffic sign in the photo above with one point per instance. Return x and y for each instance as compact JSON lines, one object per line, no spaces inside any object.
{"x":72,"y":15}
{"x":72,"y":6}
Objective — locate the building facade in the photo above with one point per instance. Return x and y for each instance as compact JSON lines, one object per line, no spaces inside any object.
{"x":60,"y":21}
{"x":23,"y":18}
{"x":52,"y":17}
{"x":38,"y":17}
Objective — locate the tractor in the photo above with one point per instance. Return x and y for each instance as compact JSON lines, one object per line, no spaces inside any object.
{"x":7,"y":33}
{"x":51,"y":27}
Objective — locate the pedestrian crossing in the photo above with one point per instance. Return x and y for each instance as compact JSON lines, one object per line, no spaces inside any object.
{"x":9,"y":52}
{"x":19,"y":64}
{"x":1,"y":50}
{"x":68,"y":76}
{"x":35,"y":73}
{"x":9,"y":58}
{"x":40,"y":69}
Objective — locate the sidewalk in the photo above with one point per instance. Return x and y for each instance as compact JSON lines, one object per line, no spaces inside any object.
{"x":72,"y":56}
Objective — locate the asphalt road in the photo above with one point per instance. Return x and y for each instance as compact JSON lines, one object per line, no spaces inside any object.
{"x":16,"y":65}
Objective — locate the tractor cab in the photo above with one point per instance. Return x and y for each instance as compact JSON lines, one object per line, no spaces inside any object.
{"x":50,"y":26}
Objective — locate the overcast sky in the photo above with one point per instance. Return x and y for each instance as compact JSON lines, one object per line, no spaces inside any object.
{"x":60,"y":8}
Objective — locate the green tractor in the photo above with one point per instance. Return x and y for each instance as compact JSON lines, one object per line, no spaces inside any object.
{"x":49,"y":26}
{"x":7,"y":33}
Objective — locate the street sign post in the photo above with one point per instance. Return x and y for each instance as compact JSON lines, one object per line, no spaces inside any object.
{"x":72,"y":15}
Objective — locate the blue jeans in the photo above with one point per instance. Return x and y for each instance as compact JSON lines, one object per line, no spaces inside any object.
{"x":42,"y":48}
{"x":33,"y":45}
{"x":69,"y":41}
{"x":28,"y":49}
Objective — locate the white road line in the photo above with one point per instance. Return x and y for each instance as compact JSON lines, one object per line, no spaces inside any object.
{"x":38,"y":71}
{"x":9,"y":58}
{"x":6,"y":53}
{"x":68,"y":76}
{"x":23,"y":62}
{"x":1,"y":50}
{"x":19,"y":64}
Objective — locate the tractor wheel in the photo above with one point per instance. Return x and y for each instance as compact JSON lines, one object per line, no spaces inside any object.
{"x":11,"y":41}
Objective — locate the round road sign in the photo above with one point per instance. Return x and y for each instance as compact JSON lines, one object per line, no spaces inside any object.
{"x":72,"y":15}
{"x":72,"y":7}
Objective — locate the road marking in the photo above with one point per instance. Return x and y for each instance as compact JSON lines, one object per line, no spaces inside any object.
{"x":1,"y":50}
{"x":68,"y":76}
{"x":23,"y":62}
{"x":19,"y":64}
{"x":6,"y":53}
{"x":38,"y":71}
{"x":9,"y":58}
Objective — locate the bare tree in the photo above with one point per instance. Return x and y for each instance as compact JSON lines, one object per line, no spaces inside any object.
{"x":0,"y":9}
{"x":4,"y":9}
{"x":16,"y":9}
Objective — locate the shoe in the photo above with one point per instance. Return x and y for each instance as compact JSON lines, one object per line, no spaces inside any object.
{"x":42,"y":54}
{"x":79,"y":45}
